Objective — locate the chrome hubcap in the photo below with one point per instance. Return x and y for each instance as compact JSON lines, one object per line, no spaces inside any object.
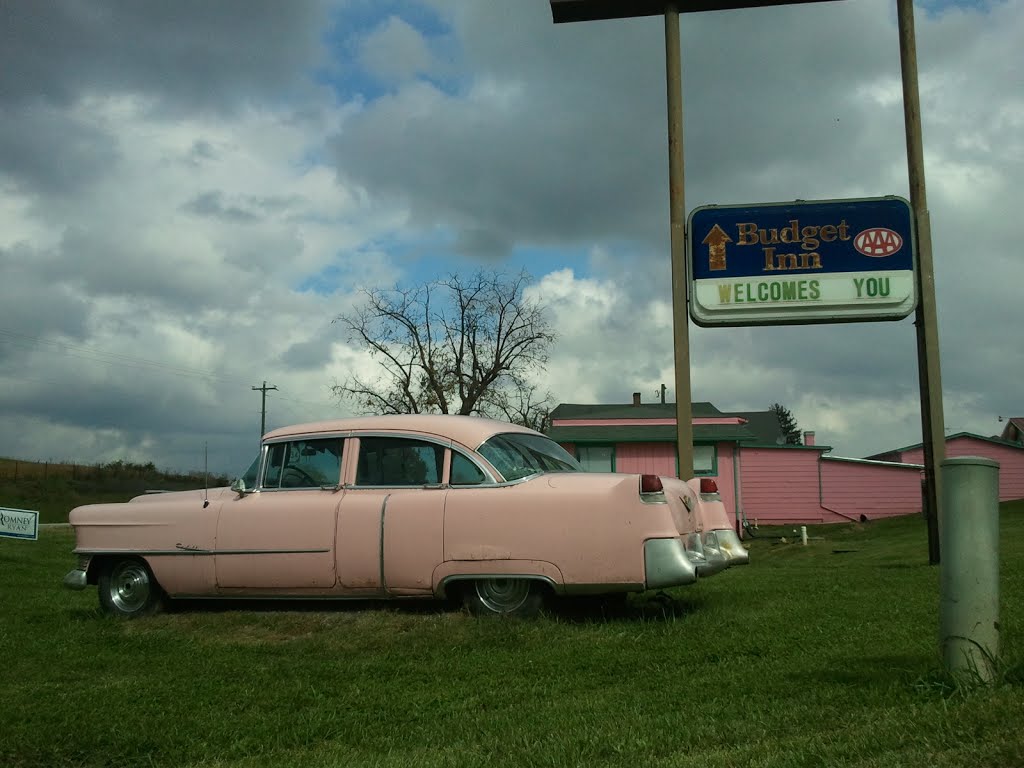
{"x":129,"y":586}
{"x":503,"y":595}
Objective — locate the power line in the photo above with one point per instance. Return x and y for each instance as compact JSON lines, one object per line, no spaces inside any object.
{"x":91,"y":353}
{"x":84,"y":352}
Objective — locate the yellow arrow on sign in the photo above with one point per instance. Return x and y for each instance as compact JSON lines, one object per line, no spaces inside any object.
{"x":715,"y":241}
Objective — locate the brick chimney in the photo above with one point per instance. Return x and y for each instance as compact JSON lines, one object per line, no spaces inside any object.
{"x":808,"y":438}
{"x":636,"y":398}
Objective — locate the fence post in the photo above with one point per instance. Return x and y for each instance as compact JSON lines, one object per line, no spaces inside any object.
{"x":969,"y":569}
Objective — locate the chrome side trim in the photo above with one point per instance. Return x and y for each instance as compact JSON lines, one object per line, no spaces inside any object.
{"x":331,"y":488}
{"x":442,"y":587}
{"x":298,"y":596}
{"x":307,"y":436}
{"x":383,"y":512}
{"x":666,"y":564}
{"x":430,"y":487}
{"x":187,"y":551}
{"x":418,"y":486}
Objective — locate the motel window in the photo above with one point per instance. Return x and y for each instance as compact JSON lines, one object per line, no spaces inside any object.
{"x":705,"y":460}
{"x":596,"y":458}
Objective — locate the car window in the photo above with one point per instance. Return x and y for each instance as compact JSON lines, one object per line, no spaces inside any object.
{"x":516,"y":455}
{"x":465,"y":472}
{"x":398,"y":461}
{"x":304,"y":464}
{"x":249,"y":478}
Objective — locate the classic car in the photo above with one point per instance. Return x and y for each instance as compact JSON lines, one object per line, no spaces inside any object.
{"x":406,"y":506}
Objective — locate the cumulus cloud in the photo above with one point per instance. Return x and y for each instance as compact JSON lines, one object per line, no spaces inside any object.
{"x":191,"y":192}
{"x":395,"y":51}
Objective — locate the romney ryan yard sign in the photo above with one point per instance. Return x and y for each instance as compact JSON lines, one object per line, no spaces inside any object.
{"x":19,"y":523}
{"x":822,"y":261}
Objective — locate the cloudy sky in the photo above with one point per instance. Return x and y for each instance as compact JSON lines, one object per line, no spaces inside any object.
{"x":191,"y":192}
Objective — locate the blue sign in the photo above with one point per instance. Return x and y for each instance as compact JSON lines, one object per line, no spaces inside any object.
{"x":802,"y":262}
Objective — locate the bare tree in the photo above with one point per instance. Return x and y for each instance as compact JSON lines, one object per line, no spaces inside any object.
{"x":460,"y":345}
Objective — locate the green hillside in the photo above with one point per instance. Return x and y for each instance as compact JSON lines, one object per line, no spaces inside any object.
{"x":54,"y":489}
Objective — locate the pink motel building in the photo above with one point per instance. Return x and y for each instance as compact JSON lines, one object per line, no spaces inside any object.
{"x":761,"y":479}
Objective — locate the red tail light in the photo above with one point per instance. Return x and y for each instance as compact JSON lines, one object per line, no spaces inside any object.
{"x":650,"y":484}
{"x":707,"y":485}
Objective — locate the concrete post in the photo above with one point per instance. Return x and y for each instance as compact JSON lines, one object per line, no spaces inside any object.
{"x":969,"y":570}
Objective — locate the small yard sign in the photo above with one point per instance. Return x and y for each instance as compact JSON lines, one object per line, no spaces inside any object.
{"x":822,"y":261}
{"x":19,"y":523}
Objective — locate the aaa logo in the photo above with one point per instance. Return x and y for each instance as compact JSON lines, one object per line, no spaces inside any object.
{"x":878,"y":242}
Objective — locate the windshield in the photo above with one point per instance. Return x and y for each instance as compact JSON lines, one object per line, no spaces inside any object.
{"x":516,"y":455}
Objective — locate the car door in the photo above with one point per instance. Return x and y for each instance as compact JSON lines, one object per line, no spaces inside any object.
{"x":281,"y":537}
{"x":391,"y":524}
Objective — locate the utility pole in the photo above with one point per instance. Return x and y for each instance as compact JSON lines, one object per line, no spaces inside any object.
{"x":926,"y":321}
{"x":263,"y":409}
{"x":677,"y":218}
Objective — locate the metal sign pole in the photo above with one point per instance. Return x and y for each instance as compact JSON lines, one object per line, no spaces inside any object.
{"x":677,"y":205}
{"x":928,"y":367}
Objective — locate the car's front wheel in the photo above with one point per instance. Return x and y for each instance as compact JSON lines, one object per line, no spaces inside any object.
{"x":127,"y":588}
{"x":504,"y":597}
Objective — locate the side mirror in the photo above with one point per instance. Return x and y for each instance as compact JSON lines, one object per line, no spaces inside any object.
{"x":239,"y":487}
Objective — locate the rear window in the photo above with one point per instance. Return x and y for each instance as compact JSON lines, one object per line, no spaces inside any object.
{"x":516,"y":455}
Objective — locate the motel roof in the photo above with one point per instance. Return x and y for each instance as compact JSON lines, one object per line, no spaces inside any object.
{"x":748,"y":427}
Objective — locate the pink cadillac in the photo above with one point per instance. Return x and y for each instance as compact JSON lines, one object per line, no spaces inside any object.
{"x":406,"y":506}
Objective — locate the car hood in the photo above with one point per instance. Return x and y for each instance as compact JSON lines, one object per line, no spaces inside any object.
{"x":163,"y":496}
{"x":146,"y":510}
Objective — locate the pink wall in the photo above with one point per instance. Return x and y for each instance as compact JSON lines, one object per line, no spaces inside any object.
{"x":646,"y":458}
{"x":874,"y":490}
{"x":780,"y":485}
{"x":660,"y":459}
{"x":726,"y":478}
{"x":1011,"y":461}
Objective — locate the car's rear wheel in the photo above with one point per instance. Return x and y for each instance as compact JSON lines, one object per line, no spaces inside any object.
{"x":504,"y":597}
{"x":127,"y":588}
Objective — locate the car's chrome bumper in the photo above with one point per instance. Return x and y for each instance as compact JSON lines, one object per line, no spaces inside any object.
{"x":704,"y":550}
{"x":667,"y":564}
{"x":732,"y":548}
{"x":679,"y":561}
{"x":76,"y":579}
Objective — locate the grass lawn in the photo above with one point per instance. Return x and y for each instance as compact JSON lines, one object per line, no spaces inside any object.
{"x":812,"y":656}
